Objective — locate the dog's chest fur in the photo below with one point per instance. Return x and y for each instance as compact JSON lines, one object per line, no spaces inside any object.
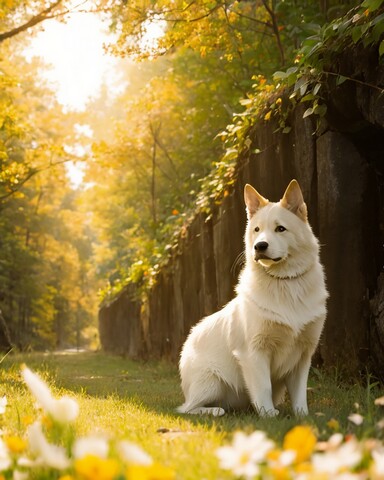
{"x":283,"y":345}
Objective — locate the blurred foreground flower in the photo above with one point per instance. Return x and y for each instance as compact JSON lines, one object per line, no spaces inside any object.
{"x":302,"y":441}
{"x":91,"y":445}
{"x":44,"y":453}
{"x":246,"y":454}
{"x":5,"y":461}
{"x":356,"y":418}
{"x":3,"y":404}
{"x":92,"y":467}
{"x":84,"y":458}
{"x":133,"y":454}
{"x":340,"y":459}
{"x":62,"y":410}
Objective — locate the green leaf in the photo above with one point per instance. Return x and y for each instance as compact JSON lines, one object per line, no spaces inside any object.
{"x":300,"y":82}
{"x":230,"y":154}
{"x":381,"y":48}
{"x":320,"y":110}
{"x":378,"y":28}
{"x":372,"y":5}
{"x":280,"y":75}
{"x":357,"y":33}
{"x":308,"y":98}
{"x":316,"y":89}
{"x":308,"y":112}
{"x":340,"y":79}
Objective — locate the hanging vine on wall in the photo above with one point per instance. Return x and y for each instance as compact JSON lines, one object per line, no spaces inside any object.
{"x":309,"y":80}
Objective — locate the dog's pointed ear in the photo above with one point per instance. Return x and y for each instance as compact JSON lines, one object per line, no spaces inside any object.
{"x":253,"y":200}
{"x":294,"y":202}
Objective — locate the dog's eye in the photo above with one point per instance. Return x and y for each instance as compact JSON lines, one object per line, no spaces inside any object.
{"x":280,"y":229}
{"x":257,"y":229}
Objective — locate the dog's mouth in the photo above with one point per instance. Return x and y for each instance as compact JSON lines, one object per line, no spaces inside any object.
{"x":262,"y":256}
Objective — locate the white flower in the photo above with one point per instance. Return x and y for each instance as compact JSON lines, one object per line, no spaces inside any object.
{"x":345,"y":457}
{"x":3,"y":404}
{"x":245,"y":454}
{"x":285,"y":459}
{"x":17,"y":475}
{"x":132,"y":453}
{"x":46,"y":453}
{"x":63,"y":410}
{"x":378,"y":463}
{"x":91,"y":445}
{"x":335,"y":440}
{"x":356,"y":418}
{"x":5,"y":461}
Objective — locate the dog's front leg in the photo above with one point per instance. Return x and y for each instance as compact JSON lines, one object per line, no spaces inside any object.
{"x":296,"y":383}
{"x":255,"y":367}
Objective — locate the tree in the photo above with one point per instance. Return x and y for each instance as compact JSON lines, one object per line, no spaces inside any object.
{"x":45,"y":272}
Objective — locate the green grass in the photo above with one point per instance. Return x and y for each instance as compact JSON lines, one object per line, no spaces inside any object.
{"x":136,"y":401}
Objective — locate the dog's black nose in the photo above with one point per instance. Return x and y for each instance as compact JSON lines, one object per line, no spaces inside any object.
{"x":261,"y":246}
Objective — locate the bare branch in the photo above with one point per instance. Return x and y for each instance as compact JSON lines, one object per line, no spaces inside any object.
{"x":275,"y":28}
{"x":30,"y":174}
{"x":40,"y":17}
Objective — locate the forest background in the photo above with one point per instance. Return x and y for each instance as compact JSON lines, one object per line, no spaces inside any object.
{"x":151,"y":151}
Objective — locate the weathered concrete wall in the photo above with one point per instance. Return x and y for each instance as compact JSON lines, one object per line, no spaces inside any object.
{"x":341,"y":173}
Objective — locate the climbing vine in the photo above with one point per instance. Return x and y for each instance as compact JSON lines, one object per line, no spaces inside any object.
{"x":307,"y":81}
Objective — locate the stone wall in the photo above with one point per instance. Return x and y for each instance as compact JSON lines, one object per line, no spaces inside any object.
{"x":341,"y":172}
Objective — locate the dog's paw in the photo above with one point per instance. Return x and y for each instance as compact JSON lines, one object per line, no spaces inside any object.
{"x":263,"y":412}
{"x":301,"y":411}
{"x":214,"y":411}
{"x":273,"y":413}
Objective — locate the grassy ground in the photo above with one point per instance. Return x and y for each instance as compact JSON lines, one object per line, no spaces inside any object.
{"x":136,"y":401}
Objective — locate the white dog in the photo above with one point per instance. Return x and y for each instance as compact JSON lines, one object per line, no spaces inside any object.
{"x":261,"y":343}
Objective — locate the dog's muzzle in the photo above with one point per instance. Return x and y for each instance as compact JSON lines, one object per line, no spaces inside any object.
{"x":260,"y":249}
{"x":261,"y":256}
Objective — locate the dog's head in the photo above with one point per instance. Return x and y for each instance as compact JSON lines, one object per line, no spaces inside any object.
{"x":278,"y":236}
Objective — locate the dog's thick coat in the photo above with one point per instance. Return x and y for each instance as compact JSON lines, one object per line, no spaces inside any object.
{"x":261,"y":343}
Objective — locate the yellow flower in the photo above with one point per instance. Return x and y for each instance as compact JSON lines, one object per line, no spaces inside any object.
{"x":301,"y":440}
{"x":281,"y":473}
{"x":28,"y":420}
{"x":333,"y":424}
{"x":47,"y":422}
{"x":15,"y":444}
{"x":267,"y":116}
{"x":92,"y":467}
{"x":154,"y":471}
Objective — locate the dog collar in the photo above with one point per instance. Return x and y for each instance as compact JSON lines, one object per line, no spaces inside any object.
{"x":288,"y":277}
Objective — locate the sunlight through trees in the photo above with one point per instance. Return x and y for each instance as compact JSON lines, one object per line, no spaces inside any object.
{"x":144,"y":142}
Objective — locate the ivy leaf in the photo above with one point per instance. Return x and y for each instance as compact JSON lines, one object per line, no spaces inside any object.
{"x":280,"y":75}
{"x":320,"y":110}
{"x":381,"y":48}
{"x":340,"y":79}
{"x":357,"y":33}
{"x":308,"y":98}
{"x":372,"y":5}
{"x":378,"y":28}
{"x":308,"y":112}
{"x":316,"y":89}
